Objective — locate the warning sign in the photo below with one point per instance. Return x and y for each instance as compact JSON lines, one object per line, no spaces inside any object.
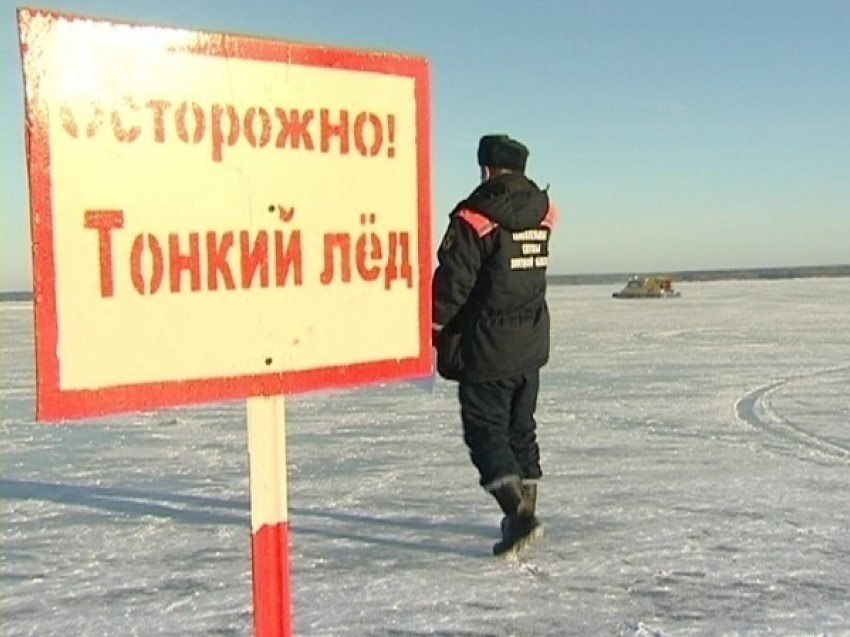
{"x":217,"y":216}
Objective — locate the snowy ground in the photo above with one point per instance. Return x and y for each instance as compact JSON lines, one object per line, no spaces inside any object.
{"x":697,"y":460}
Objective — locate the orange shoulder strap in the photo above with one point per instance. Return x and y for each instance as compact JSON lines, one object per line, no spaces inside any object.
{"x":481,"y":224}
{"x":550,"y":218}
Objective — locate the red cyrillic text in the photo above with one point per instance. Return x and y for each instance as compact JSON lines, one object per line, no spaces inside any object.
{"x":238,"y":260}
{"x":224,"y":126}
{"x":195,"y":261}
{"x":369,"y":256}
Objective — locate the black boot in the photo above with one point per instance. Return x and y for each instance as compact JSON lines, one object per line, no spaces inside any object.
{"x":529,"y":502}
{"x":508,"y":493}
{"x":529,"y":495}
{"x":519,"y":526}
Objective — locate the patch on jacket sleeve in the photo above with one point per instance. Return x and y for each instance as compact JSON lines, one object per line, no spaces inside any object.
{"x":448,"y":239}
{"x":481,"y":224}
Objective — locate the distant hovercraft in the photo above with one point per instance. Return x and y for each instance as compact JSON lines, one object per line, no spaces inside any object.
{"x":651,"y":287}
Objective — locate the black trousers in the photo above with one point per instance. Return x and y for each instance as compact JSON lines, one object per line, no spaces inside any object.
{"x":499,"y":427}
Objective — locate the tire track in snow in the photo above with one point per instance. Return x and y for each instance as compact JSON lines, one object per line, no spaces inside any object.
{"x":751,"y":405}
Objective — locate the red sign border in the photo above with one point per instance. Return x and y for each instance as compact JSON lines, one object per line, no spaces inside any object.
{"x":53,"y":403}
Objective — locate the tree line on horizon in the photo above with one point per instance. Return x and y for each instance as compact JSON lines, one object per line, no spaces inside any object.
{"x":688,"y":276}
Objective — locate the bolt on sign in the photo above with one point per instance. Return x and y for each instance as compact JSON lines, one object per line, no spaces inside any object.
{"x":218,"y":216}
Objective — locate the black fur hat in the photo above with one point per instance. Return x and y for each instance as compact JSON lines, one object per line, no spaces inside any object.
{"x":500,"y":151}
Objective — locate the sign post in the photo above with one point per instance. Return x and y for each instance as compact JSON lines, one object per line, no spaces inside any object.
{"x":269,"y":518}
{"x":215,"y":217}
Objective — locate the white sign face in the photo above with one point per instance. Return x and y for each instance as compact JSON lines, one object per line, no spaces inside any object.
{"x":216,"y":216}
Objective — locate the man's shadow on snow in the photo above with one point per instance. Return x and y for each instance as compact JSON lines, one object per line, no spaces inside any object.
{"x":209,"y":510}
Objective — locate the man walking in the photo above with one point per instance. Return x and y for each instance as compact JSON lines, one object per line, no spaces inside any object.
{"x":491,"y":328}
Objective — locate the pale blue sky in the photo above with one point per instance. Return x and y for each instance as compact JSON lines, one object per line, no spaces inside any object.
{"x":675,"y":134}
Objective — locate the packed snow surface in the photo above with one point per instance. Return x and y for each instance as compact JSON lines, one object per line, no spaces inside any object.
{"x":697,"y":482}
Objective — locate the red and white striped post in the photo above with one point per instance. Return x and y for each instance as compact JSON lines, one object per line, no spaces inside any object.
{"x":269,"y":516}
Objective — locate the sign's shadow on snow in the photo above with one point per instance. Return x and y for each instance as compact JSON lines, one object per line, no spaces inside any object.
{"x":187,"y":509}
{"x":414,"y":533}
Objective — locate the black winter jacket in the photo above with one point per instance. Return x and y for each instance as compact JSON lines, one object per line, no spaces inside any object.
{"x":489,"y":289}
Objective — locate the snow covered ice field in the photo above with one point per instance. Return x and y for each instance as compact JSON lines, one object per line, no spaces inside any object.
{"x":697,"y":461}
